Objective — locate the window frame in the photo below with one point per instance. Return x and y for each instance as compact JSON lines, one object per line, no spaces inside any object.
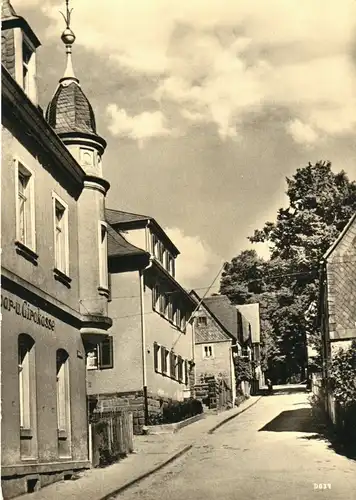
{"x":26,"y":381}
{"x":63,"y":396}
{"x":208,"y":347}
{"x":98,"y":349}
{"x":22,"y":168}
{"x":57,"y":265}
{"x":103,"y":257}
{"x":26,"y":81}
{"x":202,"y":323}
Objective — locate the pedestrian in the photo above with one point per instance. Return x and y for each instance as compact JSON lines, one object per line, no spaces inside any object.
{"x":269,"y":385}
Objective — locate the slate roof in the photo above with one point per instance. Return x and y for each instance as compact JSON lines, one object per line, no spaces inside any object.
{"x":339,"y":238}
{"x":7,"y":10}
{"x":118,"y":246}
{"x":129,"y":220}
{"x":224,"y":311}
{"x":118,"y":216}
{"x":70,"y":110}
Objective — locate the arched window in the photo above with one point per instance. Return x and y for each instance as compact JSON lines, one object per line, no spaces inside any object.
{"x":27,"y":380}
{"x":63,"y":394}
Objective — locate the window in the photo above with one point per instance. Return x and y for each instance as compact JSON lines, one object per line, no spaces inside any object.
{"x":156,"y":298}
{"x":63,"y":395}
{"x":170,"y":308}
{"x":177,"y":315}
{"x":165,"y":304}
{"x":103,"y":256}
{"x":208,"y":351}
{"x":183,"y":321}
{"x":180,"y":368}
{"x":202,"y":320}
{"x":29,"y":70}
{"x":86,"y":157}
{"x":171,"y":268}
{"x":25,"y":208}
{"x":27,"y":390}
{"x":101,"y":356}
{"x":26,"y":57}
{"x":61,"y":239}
{"x":164,"y":358}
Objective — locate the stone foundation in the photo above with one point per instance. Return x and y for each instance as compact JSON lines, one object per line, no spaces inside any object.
{"x":18,"y":485}
{"x":132,"y":401}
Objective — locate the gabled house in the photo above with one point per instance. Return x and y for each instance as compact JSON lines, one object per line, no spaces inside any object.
{"x":151,"y":350}
{"x":337,"y":299}
{"x":217,"y":338}
{"x":251,"y":319}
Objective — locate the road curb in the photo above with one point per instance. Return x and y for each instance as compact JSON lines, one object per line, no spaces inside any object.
{"x":231,"y":417}
{"x":158,"y":467}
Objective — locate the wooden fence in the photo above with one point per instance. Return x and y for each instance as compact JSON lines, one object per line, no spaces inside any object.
{"x":111,"y":436}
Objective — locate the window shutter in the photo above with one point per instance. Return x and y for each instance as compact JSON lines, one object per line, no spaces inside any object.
{"x":106,"y":353}
{"x":163,"y":360}
{"x":180,"y":369}
{"x":172,"y":361}
{"x":186,"y":372}
{"x":155,"y":355}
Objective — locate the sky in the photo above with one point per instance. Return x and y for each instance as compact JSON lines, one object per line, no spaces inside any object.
{"x":206,"y":106}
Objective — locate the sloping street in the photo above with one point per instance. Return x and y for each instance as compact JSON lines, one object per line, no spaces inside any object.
{"x":273,"y":450}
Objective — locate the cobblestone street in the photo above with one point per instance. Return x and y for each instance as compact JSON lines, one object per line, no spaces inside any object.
{"x":273,"y":450}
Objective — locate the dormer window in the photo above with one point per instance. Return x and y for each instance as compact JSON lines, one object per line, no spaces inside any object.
{"x":27,"y":78}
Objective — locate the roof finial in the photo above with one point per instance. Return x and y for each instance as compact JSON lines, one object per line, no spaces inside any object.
{"x":68,"y":38}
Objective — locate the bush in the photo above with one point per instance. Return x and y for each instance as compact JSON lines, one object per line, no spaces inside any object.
{"x":176,"y":411}
{"x":343,"y":386}
{"x":243,"y":370}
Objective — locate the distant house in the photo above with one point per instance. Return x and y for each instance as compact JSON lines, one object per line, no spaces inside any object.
{"x":337,"y":306}
{"x":216,"y":339}
{"x":151,"y":348}
{"x":251,"y":315}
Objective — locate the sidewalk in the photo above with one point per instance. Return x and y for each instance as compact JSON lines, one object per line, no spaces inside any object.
{"x":152,"y":452}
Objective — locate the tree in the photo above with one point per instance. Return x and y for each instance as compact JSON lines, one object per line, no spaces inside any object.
{"x":320,"y":204}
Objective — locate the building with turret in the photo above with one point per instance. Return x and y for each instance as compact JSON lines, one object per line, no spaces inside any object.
{"x":54,"y":296}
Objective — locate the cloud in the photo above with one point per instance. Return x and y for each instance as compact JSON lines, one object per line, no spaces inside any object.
{"x":301,"y":132}
{"x":224,"y":61}
{"x":195,"y":260}
{"x":140,"y":127}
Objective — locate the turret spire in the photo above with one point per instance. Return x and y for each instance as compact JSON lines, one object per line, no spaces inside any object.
{"x":68,"y":38}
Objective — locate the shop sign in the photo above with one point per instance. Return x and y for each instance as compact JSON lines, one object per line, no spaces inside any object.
{"x":27,"y":311}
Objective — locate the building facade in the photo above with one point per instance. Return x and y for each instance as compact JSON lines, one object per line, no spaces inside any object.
{"x":216,"y":340}
{"x":52,"y":261}
{"x":337,"y":306}
{"x":152,"y":335}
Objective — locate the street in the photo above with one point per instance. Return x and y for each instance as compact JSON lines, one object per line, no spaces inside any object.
{"x":272,"y":451}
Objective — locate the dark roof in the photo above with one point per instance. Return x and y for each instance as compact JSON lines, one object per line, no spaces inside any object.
{"x":70,"y":110}
{"x":339,"y":238}
{"x":118,"y":246}
{"x":224,"y":311}
{"x":128,"y":220}
{"x":118,"y":216}
{"x":7,"y":10}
